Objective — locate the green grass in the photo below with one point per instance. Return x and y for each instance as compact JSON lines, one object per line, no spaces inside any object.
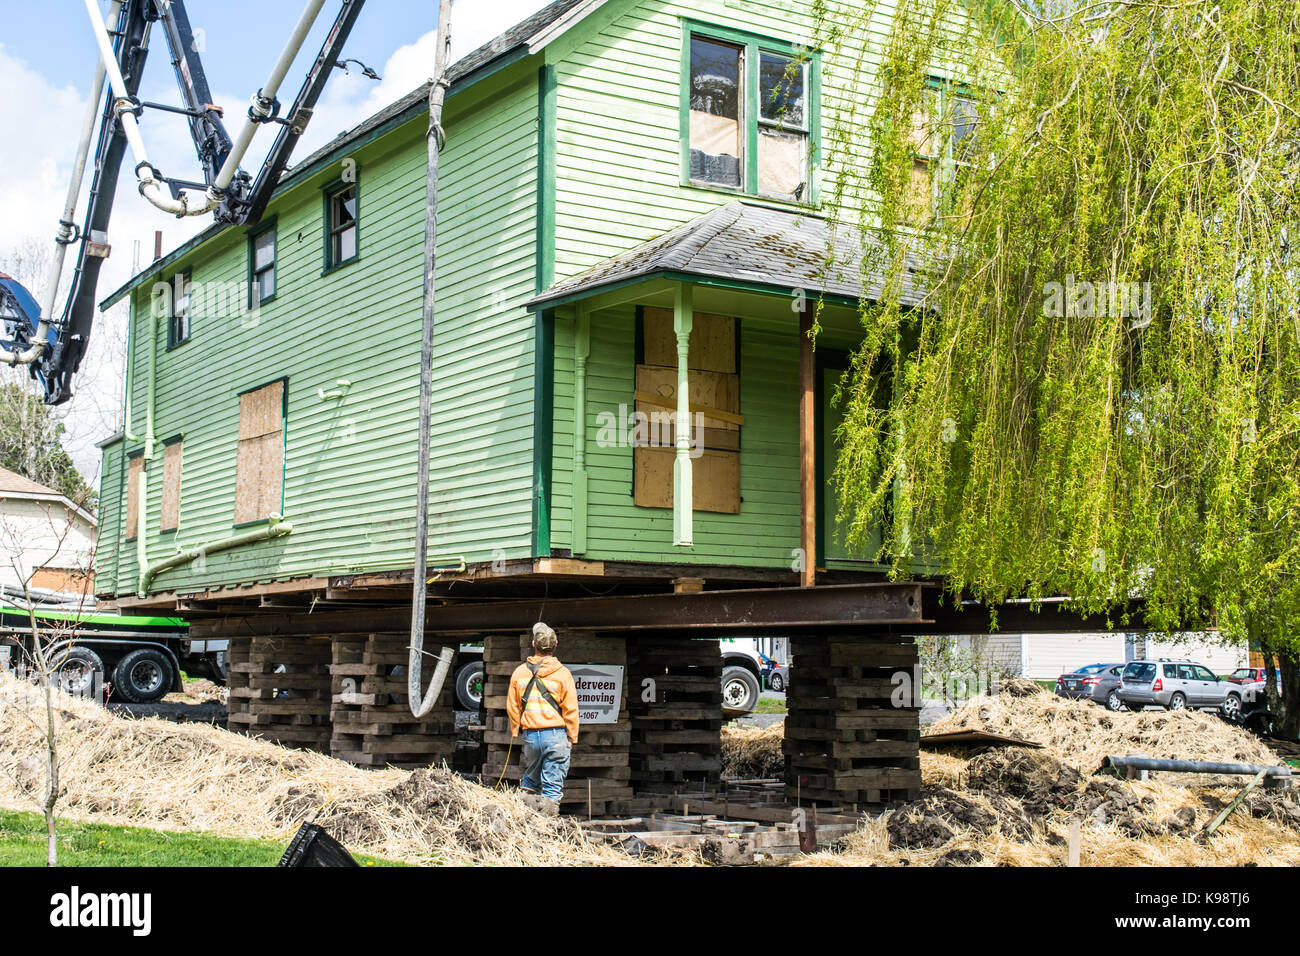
{"x":22,"y":843}
{"x":771,"y":705}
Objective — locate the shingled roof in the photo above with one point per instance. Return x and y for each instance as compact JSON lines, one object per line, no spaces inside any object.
{"x":745,"y":243}
{"x":14,"y":483}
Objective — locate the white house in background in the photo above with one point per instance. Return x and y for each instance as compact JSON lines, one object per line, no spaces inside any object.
{"x":45,"y":536}
{"x":1047,"y":656}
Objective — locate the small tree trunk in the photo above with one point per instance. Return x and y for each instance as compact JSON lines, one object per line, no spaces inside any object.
{"x":1287,"y":725}
{"x":51,"y":777}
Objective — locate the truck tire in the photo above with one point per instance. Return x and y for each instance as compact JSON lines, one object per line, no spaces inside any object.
{"x":77,"y":668}
{"x":220,"y":666}
{"x":469,"y":685}
{"x":143,"y":675}
{"x":740,"y":689}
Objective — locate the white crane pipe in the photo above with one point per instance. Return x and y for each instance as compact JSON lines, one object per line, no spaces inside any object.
{"x":123,"y":105}
{"x":260,"y":106}
{"x":41,"y":338}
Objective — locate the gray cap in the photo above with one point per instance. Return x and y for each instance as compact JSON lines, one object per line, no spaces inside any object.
{"x":544,"y":638}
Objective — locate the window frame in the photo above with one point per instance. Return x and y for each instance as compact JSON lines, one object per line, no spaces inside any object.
{"x":174,"y":441}
{"x":283,"y":381}
{"x":254,"y":286}
{"x":943,"y":162}
{"x":752,"y":46}
{"x":330,"y":193}
{"x":187,"y":281}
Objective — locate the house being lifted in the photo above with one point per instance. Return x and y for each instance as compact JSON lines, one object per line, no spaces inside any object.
{"x":632,"y":201}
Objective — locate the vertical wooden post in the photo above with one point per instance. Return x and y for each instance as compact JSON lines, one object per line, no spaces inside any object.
{"x":807,"y":451}
{"x":683,"y":488}
{"x":581,"y":352}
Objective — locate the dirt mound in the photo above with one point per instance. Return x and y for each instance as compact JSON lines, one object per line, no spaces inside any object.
{"x":1014,"y":806}
{"x":1082,"y":734}
{"x":751,"y":752}
{"x":193,"y":777}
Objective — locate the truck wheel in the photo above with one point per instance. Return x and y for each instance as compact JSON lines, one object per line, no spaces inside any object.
{"x":219,"y":666}
{"x":77,"y":668}
{"x":469,"y":685}
{"x":1232,"y":708}
{"x":143,"y":676}
{"x":739,"y":689}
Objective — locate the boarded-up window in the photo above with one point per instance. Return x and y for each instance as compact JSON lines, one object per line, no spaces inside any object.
{"x":259,"y":470}
{"x":715,"y":413}
{"x":170,"y":518}
{"x":134,"y":469}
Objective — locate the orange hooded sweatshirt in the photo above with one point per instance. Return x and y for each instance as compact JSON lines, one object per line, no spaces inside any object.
{"x":539,"y":713}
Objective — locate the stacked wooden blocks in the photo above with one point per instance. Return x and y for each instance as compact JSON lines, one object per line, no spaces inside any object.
{"x":373,"y":724}
{"x":676,"y":735}
{"x":280,"y":690}
{"x":846,"y":741}
{"x":599,"y":772}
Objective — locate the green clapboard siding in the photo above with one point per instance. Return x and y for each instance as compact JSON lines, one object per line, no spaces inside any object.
{"x":349,"y":477}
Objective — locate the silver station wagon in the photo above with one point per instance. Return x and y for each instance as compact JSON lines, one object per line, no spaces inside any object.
{"x":1177,"y":685}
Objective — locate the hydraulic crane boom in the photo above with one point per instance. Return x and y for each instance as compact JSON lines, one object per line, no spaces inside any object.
{"x":54,"y":348}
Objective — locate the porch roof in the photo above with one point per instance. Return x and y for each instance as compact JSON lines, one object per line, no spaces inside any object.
{"x":745,"y":244}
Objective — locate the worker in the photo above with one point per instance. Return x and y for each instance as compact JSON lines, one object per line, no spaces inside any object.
{"x":543,"y":704}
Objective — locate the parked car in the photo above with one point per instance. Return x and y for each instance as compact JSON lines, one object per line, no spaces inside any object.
{"x":1177,"y":685}
{"x":1247,"y":675}
{"x":779,"y":678}
{"x":1095,"y":682}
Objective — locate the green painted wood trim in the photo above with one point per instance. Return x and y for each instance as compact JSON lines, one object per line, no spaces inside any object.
{"x":735,"y":285}
{"x":546,"y":188}
{"x":581,"y":352}
{"x":186,"y":275}
{"x":683,"y":478}
{"x":543,"y":429}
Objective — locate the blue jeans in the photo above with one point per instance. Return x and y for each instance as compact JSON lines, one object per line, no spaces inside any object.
{"x":546,"y":761}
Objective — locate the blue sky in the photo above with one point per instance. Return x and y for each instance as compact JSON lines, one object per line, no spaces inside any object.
{"x":47,"y":57}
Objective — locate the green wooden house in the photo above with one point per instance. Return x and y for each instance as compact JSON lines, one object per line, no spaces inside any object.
{"x":616,"y":174}
{"x":634,"y":230}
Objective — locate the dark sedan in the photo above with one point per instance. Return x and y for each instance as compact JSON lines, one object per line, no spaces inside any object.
{"x":1096,"y":682}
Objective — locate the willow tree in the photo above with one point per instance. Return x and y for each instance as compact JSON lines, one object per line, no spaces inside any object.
{"x":1082,"y":376}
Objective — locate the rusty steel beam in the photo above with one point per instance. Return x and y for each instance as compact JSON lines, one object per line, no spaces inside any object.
{"x":874,"y":605}
{"x":1052,"y":616}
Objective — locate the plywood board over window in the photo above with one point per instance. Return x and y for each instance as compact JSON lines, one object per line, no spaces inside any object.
{"x":134,"y":469}
{"x":170,"y":518}
{"x":259,"y":469}
{"x":716,"y":422}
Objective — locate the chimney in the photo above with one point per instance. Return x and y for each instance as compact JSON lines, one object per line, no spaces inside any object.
{"x":157,"y":244}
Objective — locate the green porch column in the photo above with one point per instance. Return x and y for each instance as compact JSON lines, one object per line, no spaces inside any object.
{"x":683,"y":488}
{"x":581,"y":352}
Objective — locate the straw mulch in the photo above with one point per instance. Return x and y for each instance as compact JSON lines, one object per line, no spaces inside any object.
{"x":751,"y":752}
{"x":1013,"y":806}
{"x":193,"y":777}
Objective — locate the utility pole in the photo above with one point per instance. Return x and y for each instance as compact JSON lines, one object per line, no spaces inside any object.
{"x":421,"y":701}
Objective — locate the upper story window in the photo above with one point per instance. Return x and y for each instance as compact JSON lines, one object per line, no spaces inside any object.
{"x":749,"y":112}
{"x":261,"y":266}
{"x":178,"y":320}
{"x":944,"y":134}
{"x":342,"y":225}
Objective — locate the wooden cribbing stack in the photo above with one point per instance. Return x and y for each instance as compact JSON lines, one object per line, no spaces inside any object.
{"x":280,"y":690}
{"x":373,"y":725}
{"x":845,"y":740}
{"x":599,"y":771}
{"x":677,"y":736}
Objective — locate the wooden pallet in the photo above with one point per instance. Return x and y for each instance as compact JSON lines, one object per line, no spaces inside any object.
{"x":677,"y":735}
{"x":728,"y":842}
{"x":599,"y":771}
{"x":373,"y":725}
{"x":845,"y":741}
{"x":279,"y":690}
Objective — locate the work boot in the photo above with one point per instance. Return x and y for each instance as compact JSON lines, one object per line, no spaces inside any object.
{"x":534,"y":800}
